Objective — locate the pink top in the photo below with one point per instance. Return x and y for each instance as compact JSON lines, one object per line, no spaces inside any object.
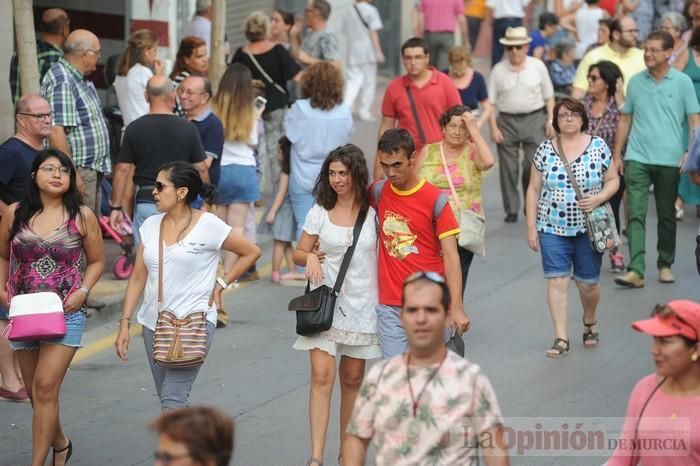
{"x":663,"y":430}
{"x":441,"y":15}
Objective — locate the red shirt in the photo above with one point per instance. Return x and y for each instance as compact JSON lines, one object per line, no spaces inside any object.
{"x":610,"y":6}
{"x":409,"y":241}
{"x":432,"y":100}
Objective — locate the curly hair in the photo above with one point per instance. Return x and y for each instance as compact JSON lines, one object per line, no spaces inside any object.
{"x":352,"y":157}
{"x":322,"y":83}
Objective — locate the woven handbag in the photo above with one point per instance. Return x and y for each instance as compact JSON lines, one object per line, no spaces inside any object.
{"x":177,"y":343}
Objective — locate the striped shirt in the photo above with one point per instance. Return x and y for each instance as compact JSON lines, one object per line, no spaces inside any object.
{"x":47,"y":54}
{"x":76,"y":106}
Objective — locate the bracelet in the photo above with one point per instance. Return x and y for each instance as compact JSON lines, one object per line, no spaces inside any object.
{"x":127,"y":319}
{"x":112,"y":207}
{"x":222,"y":282}
{"x":84,"y":290}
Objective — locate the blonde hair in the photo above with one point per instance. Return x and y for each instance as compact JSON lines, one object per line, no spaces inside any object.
{"x":458,"y":54}
{"x":256,"y":26}
{"x":233,"y":103}
{"x":138,"y":42}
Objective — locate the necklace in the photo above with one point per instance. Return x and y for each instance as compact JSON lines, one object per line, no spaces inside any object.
{"x":416,"y":400}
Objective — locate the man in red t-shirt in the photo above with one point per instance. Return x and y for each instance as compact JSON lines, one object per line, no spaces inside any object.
{"x":432,"y":91}
{"x":417,"y":232}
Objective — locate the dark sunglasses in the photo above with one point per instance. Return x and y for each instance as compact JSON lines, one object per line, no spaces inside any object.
{"x":665,"y":312}
{"x":160,"y":186}
{"x":430,"y":276}
{"x":514,"y":47}
{"x":593,"y":78}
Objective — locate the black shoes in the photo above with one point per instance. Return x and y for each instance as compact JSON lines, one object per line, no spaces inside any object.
{"x":511,"y":218}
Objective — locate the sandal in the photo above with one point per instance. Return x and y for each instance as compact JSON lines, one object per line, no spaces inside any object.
{"x":590,"y":338}
{"x":68,"y":447}
{"x":313,"y":460}
{"x":559,"y":348}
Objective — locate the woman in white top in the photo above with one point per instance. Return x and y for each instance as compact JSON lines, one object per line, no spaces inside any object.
{"x":192,"y":241}
{"x":587,"y":20}
{"x":340,"y":193}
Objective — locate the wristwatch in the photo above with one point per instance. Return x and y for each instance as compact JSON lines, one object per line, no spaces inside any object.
{"x":85,"y":290}
{"x":111,"y":207}
{"x":222,"y":282}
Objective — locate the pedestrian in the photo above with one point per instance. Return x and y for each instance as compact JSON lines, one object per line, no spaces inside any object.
{"x":548,"y":25}
{"x":603,"y":101}
{"x":200,"y":26}
{"x":438,"y":20}
{"x":505,"y":14}
{"x":322,"y":109}
{"x":271,"y":64}
{"x":643,"y":13}
{"x":150,"y":141}
{"x":664,"y":407}
{"x":470,"y":84}
{"x":176,"y":187}
{"x":361,"y":24}
{"x":621,"y":50}
{"x":475,"y":12}
{"x":281,"y":22}
{"x":318,"y":44}
{"x":201,"y":435}
{"x":54,"y":28}
{"x":674,"y":23}
{"x":79,"y":128}
{"x":652,"y":154}
{"x":51,"y":242}
{"x":466,"y":156}
{"x":416,"y":100}
{"x":136,"y":66}
{"x":281,"y":217}
{"x":562,"y":69}
{"x":432,"y":428}
{"x":587,"y":19}
{"x":341,"y":195}
{"x":556,"y":217}
{"x":417,"y":231}
{"x":192,"y":58}
{"x":524,"y":118}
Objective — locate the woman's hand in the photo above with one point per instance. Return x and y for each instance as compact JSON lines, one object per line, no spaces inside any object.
{"x":619,"y":92}
{"x":74,"y":301}
{"x":533,"y":239}
{"x":496,"y":136}
{"x":121,"y":344}
{"x":218,"y":289}
{"x":471,"y":122}
{"x":589,"y":203}
{"x":313,"y":269}
{"x":270,"y":217}
{"x":549,"y":130}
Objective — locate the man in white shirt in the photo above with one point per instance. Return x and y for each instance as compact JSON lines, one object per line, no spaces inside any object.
{"x":505,"y":14}
{"x":200,"y":26}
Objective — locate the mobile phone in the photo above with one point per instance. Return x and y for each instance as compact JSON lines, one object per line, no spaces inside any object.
{"x":260,"y":102}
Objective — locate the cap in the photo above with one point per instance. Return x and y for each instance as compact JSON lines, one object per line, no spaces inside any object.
{"x":685,"y":322}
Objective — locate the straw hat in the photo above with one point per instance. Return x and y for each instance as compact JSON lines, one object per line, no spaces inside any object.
{"x":515,"y":36}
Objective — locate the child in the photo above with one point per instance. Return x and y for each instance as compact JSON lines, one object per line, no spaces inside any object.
{"x":281,"y":218}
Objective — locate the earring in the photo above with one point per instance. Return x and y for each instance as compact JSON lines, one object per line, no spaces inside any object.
{"x":179,"y":199}
{"x":694,"y":357}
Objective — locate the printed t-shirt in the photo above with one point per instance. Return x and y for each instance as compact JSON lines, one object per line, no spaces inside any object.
{"x":408,"y":239}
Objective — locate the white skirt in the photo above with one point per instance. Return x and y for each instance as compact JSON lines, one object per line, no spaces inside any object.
{"x":333,"y":341}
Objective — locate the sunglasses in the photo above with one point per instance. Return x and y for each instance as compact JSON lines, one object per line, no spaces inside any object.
{"x":430,"y":276}
{"x":665,"y":312}
{"x":514,"y":47}
{"x":160,"y":186}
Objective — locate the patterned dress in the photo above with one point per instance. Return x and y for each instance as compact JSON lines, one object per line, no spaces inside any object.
{"x":54,"y":263}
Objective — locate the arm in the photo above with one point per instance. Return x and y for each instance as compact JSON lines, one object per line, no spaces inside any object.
{"x":247,"y":252}
{"x":94,"y":256}
{"x":119,"y":180}
{"x":453,"y":277}
{"x":417,"y":22}
{"x":493,"y":452}
{"x":59,"y":140}
{"x":486,"y":110}
{"x":304,"y":256}
{"x":464,"y":29}
{"x":623,"y":130}
{"x":629,"y":6}
{"x":377,"y":46}
{"x":355,"y":450}
{"x":5,"y":225}
{"x":548,"y":128}
{"x":483,"y":156}
{"x":387,"y":123}
{"x":568,"y":23}
{"x":295,"y":37}
{"x":611,"y":182}
{"x":538,"y":52}
{"x":420,"y":158}
{"x":3,"y":211}
{"x":532,"y":195}
{"x":682,"y":60}
{"x":203,"y":170}
{"x":279,"y":198}
{"x":134,"y":289}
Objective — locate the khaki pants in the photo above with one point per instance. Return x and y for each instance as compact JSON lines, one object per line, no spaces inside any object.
{"x":92,"y":181}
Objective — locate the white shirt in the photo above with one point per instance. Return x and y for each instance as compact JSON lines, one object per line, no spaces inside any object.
{"x":189,"y":269}
{"x":200,"y":27}
{"x":362,"y":50}
{"x":522,"y":91}
{"x":587,"y":27}
{"x":240,"y":152}
{"x":507,"y":8}
{"x":130,"y":91}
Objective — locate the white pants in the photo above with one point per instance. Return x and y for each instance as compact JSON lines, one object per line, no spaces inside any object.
{"x":362,"y":80}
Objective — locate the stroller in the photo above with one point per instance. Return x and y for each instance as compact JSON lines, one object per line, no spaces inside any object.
{"x":124,"y":264}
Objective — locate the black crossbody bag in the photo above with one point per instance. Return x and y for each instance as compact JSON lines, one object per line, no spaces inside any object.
{"x":315,"y":308}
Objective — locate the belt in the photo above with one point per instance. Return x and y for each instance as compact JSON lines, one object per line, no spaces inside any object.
{"x":539,"y":110}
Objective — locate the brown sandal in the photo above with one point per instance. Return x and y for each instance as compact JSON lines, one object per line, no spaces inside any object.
{"x":559,"y":348}
{"x":590,"y":338}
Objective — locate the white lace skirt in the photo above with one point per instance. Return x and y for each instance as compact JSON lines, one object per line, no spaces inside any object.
{"x":333,"y":341}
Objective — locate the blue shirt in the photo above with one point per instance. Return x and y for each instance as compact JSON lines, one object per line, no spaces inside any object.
{"x":211,"y":133}
{"x":562,"y":75}
{"x":314,"y":133}
{"x":538,"y":40}
{"x":16,"y":159}
{"x":475,"y":92}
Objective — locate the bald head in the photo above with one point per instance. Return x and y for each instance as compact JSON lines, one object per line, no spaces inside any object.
{"x":79,"y":41}
{"x":28,"y":103}
{"x":159,"y":86}
{"x":53,"y":21}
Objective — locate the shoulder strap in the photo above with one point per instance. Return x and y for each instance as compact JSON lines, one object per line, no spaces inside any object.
{"x":357,"y":229}
{"x":567,"y":167}
{"x":449,"y":180}
{"x":160,"y":262}
{"x":377,"y":191}
{"x":440,"y":204}
{"x":263,"y":72}
{"x":361,"y":17}
{"x":414,"y":110}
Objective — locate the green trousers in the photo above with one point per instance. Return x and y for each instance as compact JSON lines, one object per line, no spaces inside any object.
{"x":638,"y":178}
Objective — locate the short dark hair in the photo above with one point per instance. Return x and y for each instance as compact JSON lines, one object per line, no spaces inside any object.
{"x":323,"y":8}
{"x":455,"y":110}
{"x":694,"y":41}
{"x":546,"y":19}
{"x":664,"y":37}
{"x":185,"y":175}
{"x":609,"y":73}
{"x":285,"y":148}
{"x":54,"y":26}
{"x":415,"y":42}
{"x":573,"y":105}
{"x":615,"y":26}
{"x":444,"y":298}
{"x":396,"y":140}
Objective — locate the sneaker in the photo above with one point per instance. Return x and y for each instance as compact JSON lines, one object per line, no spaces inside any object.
{"x":631,"y":280}
{"x":20,"y":396}
{"x":617,"y":262}
{"x":665,"y":275}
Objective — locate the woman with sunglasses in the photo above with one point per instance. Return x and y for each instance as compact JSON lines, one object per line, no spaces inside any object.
{"x":556,"y":218}
{"x":192,"y":241}
{"x":50,"y":241}
{"x":340,"y":194}
{"x":666,"y":404}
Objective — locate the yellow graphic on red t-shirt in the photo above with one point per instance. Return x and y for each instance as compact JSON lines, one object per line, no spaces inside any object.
{"x":399,"y":239}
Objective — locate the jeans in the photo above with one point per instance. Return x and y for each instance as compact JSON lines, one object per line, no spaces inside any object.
{"x":302,"y":201}
{"x":561,"y":254}
{"x":142,"y":211}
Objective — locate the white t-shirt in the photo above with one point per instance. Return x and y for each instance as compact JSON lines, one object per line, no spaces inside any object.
{"x":362,"y":50}
{"x":130,"y":92}
{"x":200,"y":27}
{"x":587,"y":27}
{"x":189,"y":269}
{"x":239,"y":152}
{"x":507,"y":8}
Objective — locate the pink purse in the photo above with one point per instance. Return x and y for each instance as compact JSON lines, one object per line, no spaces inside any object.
{"x":36,"y":316}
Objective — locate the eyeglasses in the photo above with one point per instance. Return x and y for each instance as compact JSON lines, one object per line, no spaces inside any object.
{"x":188,"y":92}
{"x":97,"y":52}
{"x":38,"y":116}
{"x":423,"y":275}
{"x":652,"y":50}
{"x":593,"y":79}
{"x":568,"y":115}
{"x":51,"y":170}
{"x":165,"y":458}
{"x":161,"y":186}
{"x":665,"y":312}
{"x":513,"y":47}
{"x":634,"y":31}
{"x":456,"y":127}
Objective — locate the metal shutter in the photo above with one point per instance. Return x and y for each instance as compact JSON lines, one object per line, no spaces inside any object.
{"x":236,"y":13}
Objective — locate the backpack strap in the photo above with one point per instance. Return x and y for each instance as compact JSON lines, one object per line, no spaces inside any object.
{"x":377,"y":191}
{"x":440,"y":204}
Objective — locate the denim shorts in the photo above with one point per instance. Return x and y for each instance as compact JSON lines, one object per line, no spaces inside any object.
{"x":562,"y":253}
{"x":392,"y":336}
{"x":75,"y":325}
{"x":238,"y":184}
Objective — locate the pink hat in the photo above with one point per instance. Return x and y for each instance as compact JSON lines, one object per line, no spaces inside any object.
{"x":684,"y":320}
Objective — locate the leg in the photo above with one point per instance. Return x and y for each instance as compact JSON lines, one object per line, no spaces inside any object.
{"x":277,"y":253}
{"x":251,"y":231}
{"x":465,"y":261}
{"x":235,"y":215}
{"x":288,"y":251}
{"x":351,"y":372}
{"x":587,"y":263}
{"x":508,"y":164}
{"x":499,"y":30}
{"x":392,"y":337}
{"x":531,"y":133}
{"x":10,"y":379}
{"x":590,"y":297}
{"x":367,"y":90}
{"x":557,"y":289}
{"x":474,"y":28}
{"x":666,"y":180}
{"x":322,"y":380}
{"x":353,"y":84}
{"x":268,"y":155}
{"x":157,"y":372}
{"x":638,"y":180}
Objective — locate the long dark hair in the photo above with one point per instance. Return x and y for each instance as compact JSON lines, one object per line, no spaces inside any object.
{"x":184,"y":175}
{"x":609,"y":73}
{"x":352,"y":157}
{"x":31,"y":203}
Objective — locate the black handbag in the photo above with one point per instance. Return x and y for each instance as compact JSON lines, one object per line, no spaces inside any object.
{"x":315,"y":308}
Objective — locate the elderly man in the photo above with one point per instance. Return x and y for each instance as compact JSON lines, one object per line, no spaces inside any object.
{"x":79,"y":127}
{"x":658,"y":100}
{"x":318,"y":44}
{"x":521,"y":90}
{"x":157,"y":138}
{"x":54,"y":28}
{"x":455,"y":416}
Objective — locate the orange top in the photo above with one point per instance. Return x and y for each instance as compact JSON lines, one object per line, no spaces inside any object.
{"x":475,"y":8}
